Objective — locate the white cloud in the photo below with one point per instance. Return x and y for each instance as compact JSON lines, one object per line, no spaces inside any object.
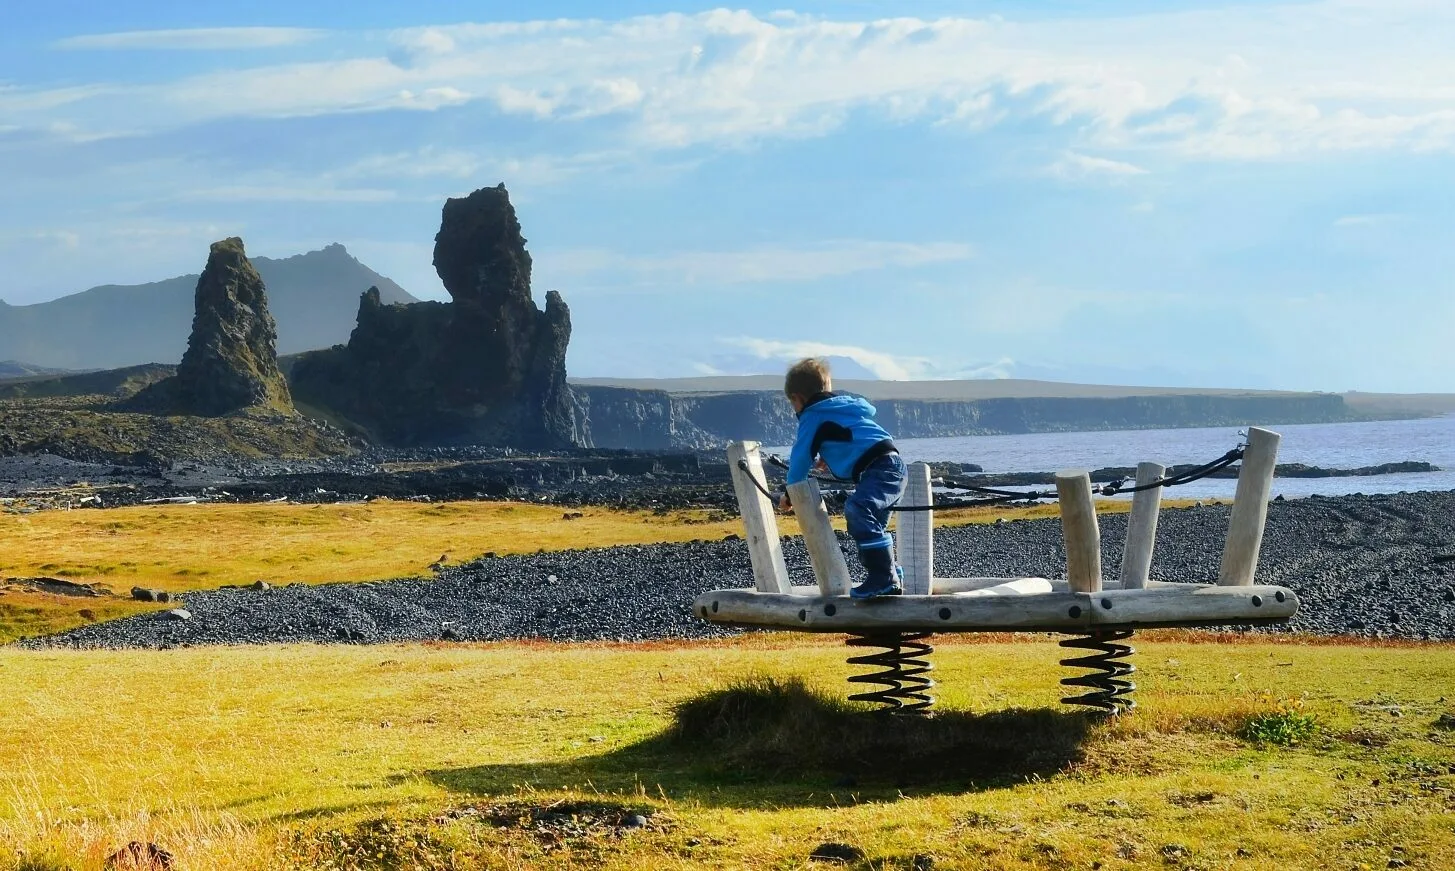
{"x":1002,"y":368}
{"x":284,"y":194}
{"x":1073,"y":166}
{"x":420,"y":163}
{"x":68,"y":239}
{"x":885,"y":366}
{"x":1369,"y":220}
{"x":761,"y":265}
{"x":889,"y":367}
{"x":195,"y":39}
{"x":1224,"y":83}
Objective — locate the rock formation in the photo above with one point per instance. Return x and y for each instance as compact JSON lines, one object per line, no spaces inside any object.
{"x":231,"y":362}
{"x":488,"y":368}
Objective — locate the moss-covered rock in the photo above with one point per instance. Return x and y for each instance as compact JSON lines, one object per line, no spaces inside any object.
{"x":231,"y":363}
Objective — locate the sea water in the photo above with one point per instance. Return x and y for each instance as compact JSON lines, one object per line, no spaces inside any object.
{"x":1328,"y":445}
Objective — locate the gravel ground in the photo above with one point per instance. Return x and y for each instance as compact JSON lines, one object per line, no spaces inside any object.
{"x":1374,"y":566}
{"x":626,"y":479}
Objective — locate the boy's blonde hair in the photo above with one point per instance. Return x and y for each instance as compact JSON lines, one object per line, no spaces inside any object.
{"x":808,"y":378}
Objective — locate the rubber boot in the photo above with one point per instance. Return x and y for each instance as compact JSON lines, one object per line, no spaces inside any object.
{"x":882,"y":580}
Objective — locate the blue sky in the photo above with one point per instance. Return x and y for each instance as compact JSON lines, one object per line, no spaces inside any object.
{"x":1179,"y":193}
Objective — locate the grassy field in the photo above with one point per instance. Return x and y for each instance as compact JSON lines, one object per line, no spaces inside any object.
{"x":538,"y":756}
{"x":1244,"y":755}
{"x":191,"y":547}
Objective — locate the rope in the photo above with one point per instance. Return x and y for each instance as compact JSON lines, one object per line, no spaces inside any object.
{"x":743,"y":465}
{"x":1180,"y":478}
{"x":995,"y":496}
{"x":841,"y":495}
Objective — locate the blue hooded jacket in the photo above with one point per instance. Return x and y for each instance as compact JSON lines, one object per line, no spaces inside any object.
{"x":840,"y":428}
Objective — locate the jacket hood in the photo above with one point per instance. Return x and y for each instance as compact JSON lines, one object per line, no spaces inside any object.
{"x":830,"y":404}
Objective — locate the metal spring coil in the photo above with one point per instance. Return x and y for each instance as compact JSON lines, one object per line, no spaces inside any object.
{"x":903,"y":663}
{"x":1110,"y":689}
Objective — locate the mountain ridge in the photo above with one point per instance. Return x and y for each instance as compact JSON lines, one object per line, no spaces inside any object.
{"x":110,"y":326}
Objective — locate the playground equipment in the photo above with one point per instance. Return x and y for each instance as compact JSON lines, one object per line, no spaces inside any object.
{"x":1100,"y":615}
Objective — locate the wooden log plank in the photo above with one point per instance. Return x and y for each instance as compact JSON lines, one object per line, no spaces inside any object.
{"x":1052,"y":612}
{"x":765,"y":549}
{"x":1074,"y":613}
{"x":1250,"y":509}
{"x":829,"y":567}
{"x":946,"y":586}
{"x":1192,"y":605}
{"x":1080,"y":531}
{"x":1020,"y":587}
{"x":1142,"y":528}
{"x":916,"y":531}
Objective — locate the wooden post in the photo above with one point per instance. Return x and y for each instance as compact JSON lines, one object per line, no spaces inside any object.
{"x":829,"y":567}
{"x":770,"y":573}
{"x":1250,"y":509}
{"x":916,"y":530}
{"x":1080,"y":531}
{"x":1142,"y":528}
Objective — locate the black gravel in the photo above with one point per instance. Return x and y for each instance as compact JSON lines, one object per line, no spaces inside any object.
{"x":1373,"y":566}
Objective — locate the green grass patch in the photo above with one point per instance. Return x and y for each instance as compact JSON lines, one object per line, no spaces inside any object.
{"x":1285,"y":727}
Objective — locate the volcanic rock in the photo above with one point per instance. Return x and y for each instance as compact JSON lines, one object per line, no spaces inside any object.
{"x":231,"y":362}
{"x":488,"y":368}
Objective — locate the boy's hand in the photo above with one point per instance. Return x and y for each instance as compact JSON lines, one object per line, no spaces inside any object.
{"x":785,"y":506}
{"x":820,"y":466}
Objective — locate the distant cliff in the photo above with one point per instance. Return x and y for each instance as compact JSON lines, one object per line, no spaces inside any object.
{"x":617,"y":417}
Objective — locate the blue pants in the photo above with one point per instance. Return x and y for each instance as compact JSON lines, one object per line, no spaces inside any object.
{"x":867,"y":509}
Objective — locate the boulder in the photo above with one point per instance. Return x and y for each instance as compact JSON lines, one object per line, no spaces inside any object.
{"x":487,"y":368}
{"x":231,"y":362}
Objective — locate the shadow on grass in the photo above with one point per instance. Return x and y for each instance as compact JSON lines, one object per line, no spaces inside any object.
{"x":766,"y":741}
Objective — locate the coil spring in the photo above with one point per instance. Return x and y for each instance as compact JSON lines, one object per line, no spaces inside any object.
{"x":1111,"y":691}
{"x":903,"y":660}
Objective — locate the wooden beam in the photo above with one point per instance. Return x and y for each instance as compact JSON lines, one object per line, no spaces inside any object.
{"x":829,"y":567}
{"x":1019,"y":587}
{"x":1005,"y":610}
{"x":765,"y":549}
{"x":916,"y":530}
{"x":1142,"y":528}
{"x":1080,"y":531}
{"x":1048,"y":612}
{"x":1192,"y":605}
{"x":1250,"y":509}
{"x":946,"y":586}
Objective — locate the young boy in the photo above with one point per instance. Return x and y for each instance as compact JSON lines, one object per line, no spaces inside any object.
{"x":839,"y":430}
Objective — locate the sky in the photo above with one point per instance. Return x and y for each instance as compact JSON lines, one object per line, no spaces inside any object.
{"x":1167,"y":193}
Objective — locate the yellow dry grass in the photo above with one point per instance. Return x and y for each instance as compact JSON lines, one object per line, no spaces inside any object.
{"x":351,"y":757}
{"x":201,"y":546}
{"x":189,"y":547}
